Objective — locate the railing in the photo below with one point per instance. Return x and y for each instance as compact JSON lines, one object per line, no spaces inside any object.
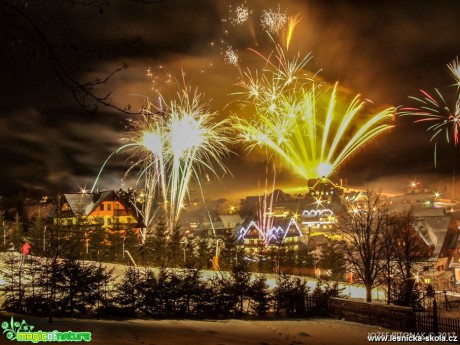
{"x":403,"y":319}
{"x":392,"y":317}
{"x":424,"y":323}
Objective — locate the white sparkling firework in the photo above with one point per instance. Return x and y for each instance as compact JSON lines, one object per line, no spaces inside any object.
{"x":231,"y":57}
{"x":272,"y":21}
{"x":454,"y":68}
{"x":242,"y":15}
{"x":174,"y":144}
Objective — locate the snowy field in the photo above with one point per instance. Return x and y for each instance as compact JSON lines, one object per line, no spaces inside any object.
{"x":315,"y":331}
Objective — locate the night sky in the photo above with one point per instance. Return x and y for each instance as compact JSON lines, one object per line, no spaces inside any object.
{"x":385,"y":51}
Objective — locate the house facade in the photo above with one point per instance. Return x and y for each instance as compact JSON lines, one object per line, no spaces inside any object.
{"x":107,"y":209}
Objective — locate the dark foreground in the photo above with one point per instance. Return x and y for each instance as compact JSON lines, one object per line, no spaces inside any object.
{"x":226,"y":332}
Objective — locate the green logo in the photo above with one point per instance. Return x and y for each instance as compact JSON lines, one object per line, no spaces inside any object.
{"x":21,"y":331}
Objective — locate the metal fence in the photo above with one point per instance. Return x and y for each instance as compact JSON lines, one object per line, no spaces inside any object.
{"x":403,"y":319}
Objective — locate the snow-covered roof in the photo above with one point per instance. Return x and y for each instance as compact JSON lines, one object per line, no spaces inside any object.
{"x":80,"y":204}
{"x":230,"y":220}
{"x":433,"y":230}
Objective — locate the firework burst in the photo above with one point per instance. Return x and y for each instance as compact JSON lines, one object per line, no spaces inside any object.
{"x":273,"y":22}
{"x":231,"y":57}
{"x":443,"y":119}
{"x":454,"y":68}
{"x":240,"y":15}
{"x":171,"y":147}
{"x":304,"y":126}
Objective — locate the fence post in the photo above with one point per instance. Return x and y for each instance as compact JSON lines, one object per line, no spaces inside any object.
{"x":435,"y":316}
{"x":413,"y":321}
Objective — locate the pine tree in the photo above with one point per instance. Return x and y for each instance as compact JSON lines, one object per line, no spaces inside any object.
{"x":191,"y":288}
{"x":149,"y":299}
{"x":97,"y":243}
{"x":13,"y":272}
{"x":333,"y":261}
{"x":173,"y":248}
{"x":241,"y":285}
{"x":35,"y":301}
{"x":158,"y":244}
{"x":132,"y":243}
{"x":18,"y":232}
{"x":260,"y":296}
{"x":95,"y":295}
{"x":36,"y":236}
{"x":127,"y":296}
{"x":228,"y":253}
{"x":305,"y":259}
{"x":4,"y":238}
{"x":290,"y":296}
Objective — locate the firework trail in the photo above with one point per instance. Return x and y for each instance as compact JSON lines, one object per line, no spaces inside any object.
{"x":293,"y":21}
{"x":265,"y":211}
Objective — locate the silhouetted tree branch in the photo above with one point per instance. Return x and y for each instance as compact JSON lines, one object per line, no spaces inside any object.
{"x":87,"y":94}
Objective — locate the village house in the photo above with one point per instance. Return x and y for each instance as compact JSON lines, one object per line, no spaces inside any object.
{"x":106,"y":209}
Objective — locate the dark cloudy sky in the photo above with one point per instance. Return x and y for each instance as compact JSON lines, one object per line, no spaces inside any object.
{"x":384,"y":50}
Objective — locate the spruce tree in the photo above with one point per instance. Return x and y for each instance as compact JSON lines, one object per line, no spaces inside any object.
{"x":174,"y":252}
{"x":241,"y":285}
{"x":260,"y":296}
{"x":127,"y":296}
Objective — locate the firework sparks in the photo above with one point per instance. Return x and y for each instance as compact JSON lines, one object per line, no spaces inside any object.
{"x":302,"y":126}
{"x":173,"y":147}
{"x":231,"y":57}
{"x":272,"y":21}
{"x":435,"y":110}
{"x":241,"y":15}
{"x":454,"y":68}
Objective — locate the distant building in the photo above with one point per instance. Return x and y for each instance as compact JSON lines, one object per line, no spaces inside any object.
{"x":254,"y":237}
{"x":224,"y":225}
{"x":440,"y":232}
{"x":107,"y":209}
{"x":317,"y":221}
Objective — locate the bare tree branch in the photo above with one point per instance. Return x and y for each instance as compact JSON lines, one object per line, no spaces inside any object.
{"x":86,"y":94}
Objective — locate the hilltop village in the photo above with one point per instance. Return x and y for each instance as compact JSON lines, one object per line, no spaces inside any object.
{"x":297,"y":233}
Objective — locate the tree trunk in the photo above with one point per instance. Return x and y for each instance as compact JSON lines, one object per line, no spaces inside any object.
{"x":368,"y":293}
{"x":388,"y":291}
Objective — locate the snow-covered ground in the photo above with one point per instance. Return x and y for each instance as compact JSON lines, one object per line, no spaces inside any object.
{"x":354,"y":291}
{"x":229,"y":332}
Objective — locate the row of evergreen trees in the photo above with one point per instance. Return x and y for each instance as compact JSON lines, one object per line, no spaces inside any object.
{"x":98,"y":244}
{"x":52,"y":286}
